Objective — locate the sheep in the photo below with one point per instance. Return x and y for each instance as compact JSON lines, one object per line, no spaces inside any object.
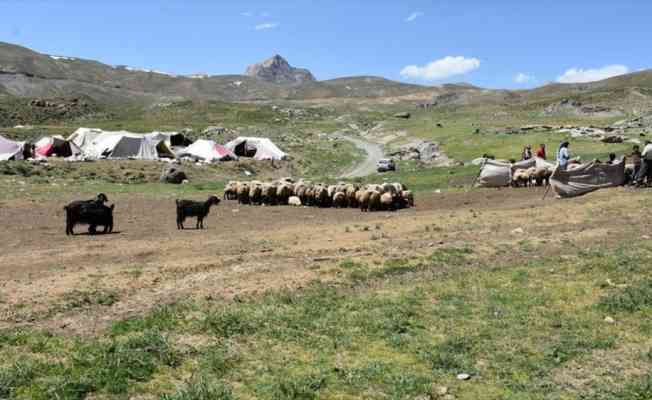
{"x":339,"y":200}
{"x":321,"y":196}
{"x":542,"y":175}
{"x":231,"y":190}
{"x":331,"y":189}
{"x":406,"y":199}
{"x":521,"y":177}
{"x":387,"y":202}
{"x":243,"y":193}
{"x":283,"y":192}
{"x":388,"y":188}
{"x":351,"y":192}
{"x":399,"y":187}
{"x":374,"y":201}
{"x":256,"y":193}
{"x":363,"y":199}
{"x":294,"y":201}
{"x":75,"y":210}
{"x":189,"y":208}
{"x":269,"y":194}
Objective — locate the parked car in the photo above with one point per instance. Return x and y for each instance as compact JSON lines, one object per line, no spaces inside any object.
{"x":385,"y":165}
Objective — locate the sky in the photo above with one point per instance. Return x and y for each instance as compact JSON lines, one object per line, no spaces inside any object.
{"x":489,"y":43}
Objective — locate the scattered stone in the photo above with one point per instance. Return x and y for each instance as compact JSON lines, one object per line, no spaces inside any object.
{"x":404,"y":115}
{"x":441,"y":390}
{"x":173,"y":175}
{"x":609,"y":320}
{"x":518,"y":231}
{"x":463,"y":377}
{"x":612,"y":139}
{"x":214,"y":130}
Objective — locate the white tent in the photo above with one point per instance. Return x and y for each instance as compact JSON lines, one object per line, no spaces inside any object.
{"x":207,"y":151}
{"x":499,"y":173}
{"x":258,"y":148}
{"x":96,"y":143}
{"x":10,"y":150}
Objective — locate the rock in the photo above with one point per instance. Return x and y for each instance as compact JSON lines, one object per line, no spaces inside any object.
{"x":404,"y":115}
{"x":518,"y":231}
{"x":463,"y":377}
{"x":173,"y":175}
{"x":612,"y":139}
{"x":609,"y":320}
{"x":214,"y":130}
{"x":278,"y":70}
{"x":448,"y":397}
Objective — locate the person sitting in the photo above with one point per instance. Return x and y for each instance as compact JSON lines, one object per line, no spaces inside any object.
{"x":541,"y":151}
{"x":527,"y":153}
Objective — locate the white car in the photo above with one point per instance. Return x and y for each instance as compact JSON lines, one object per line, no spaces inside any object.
{"x":385,"y":165}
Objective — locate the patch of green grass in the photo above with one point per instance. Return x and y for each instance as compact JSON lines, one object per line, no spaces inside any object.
{"x":630,"y":299}
{"x":201,"y":389}
{"x":81,"y":298}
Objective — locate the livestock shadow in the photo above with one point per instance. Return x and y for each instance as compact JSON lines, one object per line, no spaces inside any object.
{"x":97,"y":234}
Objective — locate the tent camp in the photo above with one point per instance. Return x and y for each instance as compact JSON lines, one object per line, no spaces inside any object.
{"x":96,"y":143}
{"x":495,"y":173}
{"x":56,"y":145}
{"x":171,"y":139}
{"x":586,"y":178}
{"x":207,"y":151}
{"x":10,"y":150}
{"x":257,"y":148}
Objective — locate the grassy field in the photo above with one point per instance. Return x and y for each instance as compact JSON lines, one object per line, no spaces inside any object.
{"x":402,"y":329}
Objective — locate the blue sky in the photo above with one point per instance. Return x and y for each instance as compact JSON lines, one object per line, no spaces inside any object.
{"x":506,"y":44}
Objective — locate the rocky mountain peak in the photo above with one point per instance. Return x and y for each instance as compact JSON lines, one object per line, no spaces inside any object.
{"x":277,"y":70}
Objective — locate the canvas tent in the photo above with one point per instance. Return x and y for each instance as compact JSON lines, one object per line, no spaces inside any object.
{"x":585,"y":178}
{"x":257,"y":148}
{"x":495,"y":173}
{"x":96,"y":143}
{"x":207,"y":151}
{"x":56,"y":145}
{"x":171,"y":139}
{"x":10,"y":150}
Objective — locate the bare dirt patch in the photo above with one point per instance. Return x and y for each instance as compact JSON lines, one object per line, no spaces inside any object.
{"x":249,"y":250}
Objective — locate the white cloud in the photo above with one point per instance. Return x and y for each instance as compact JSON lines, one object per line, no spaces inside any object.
{"x":414,"y":16}
{"x":247,"y":14}
{"x":267,"y":25}
{"x":523,"y":78}
{"x":442,"y":68}
{"x":579,"y":75}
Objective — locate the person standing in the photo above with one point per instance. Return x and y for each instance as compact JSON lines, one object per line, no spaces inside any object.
{"x":563,"y":155}
{"x":527,"y":153}
{"x":541,"y":152}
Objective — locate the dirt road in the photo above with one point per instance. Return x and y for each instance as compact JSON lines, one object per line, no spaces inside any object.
{"x":368,"y":166}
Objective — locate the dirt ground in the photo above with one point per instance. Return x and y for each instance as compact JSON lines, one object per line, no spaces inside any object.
{"x":247,"y":250}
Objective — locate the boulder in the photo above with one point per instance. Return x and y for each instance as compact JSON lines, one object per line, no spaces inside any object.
{"x":404,"y":115}
{"x":173,"y":175}
{"x":214,"y":130}
{"x":612,"y":139}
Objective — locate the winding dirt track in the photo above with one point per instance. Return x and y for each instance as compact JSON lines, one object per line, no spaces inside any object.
{"x":368,"y":166}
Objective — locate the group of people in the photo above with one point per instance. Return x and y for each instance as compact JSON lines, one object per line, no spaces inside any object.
{"x":642,"y":160}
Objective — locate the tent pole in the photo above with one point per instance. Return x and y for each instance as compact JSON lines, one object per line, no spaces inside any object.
{"x":546,"y":193}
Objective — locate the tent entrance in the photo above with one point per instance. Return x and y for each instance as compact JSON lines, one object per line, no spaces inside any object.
{"x":245,"y":150}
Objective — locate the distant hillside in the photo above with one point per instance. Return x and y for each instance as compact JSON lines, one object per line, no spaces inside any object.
{"x":26,"y":73}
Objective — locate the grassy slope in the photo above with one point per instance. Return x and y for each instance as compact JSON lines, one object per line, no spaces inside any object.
{"x":398,"y":330}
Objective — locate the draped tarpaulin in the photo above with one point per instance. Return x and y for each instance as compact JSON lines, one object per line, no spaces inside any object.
{"x":499,"y":173}
{"x":585,"y":178}
{"x":10,"y":150}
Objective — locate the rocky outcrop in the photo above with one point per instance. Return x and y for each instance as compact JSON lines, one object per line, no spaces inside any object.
{"x":278,"y":70}
{"x":173,"y":175}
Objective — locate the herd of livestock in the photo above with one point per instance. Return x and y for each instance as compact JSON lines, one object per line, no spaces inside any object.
{"x":388,"y":196}
{"x":385,"y":197}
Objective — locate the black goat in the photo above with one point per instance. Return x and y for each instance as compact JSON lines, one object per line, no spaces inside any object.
{"x":75,"y":210}
{"x":93,"y":214}
{"x":189,"y":208}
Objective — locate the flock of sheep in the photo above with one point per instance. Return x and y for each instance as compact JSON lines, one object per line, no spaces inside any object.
{"x":531,"y":177}
{"x":388,"y":196}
